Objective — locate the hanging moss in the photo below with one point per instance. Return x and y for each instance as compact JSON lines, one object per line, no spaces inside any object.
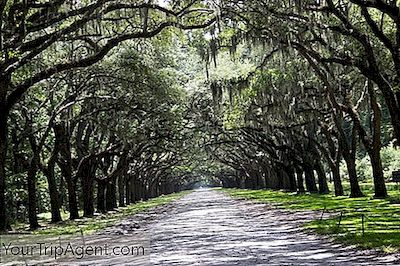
{"x":214,"y":51}
{"x":216,"y":90}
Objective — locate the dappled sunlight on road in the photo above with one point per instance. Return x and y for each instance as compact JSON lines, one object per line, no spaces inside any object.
{"x":209,"y":228}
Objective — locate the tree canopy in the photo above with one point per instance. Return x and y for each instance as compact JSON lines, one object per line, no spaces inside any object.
{"x":104,"y":103}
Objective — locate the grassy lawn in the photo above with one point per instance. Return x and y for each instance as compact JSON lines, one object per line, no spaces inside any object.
{"x":381,"y":217}
{"x":90,"y":225}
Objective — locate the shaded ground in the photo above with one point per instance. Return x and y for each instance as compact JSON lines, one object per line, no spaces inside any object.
{"x":207,"y":227}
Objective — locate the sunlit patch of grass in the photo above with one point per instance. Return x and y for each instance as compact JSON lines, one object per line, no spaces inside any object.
{"x":46,"y":216}
{"x":387,"y":242}
{"x":381,"y":216}
{"x":92,"y":224}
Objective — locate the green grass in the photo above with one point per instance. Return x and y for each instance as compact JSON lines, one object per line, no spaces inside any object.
{"x":90,"y":225}
{"x":382,"y":217}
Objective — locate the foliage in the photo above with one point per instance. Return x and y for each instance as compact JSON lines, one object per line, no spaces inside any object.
{"x":390,"y":161}
{"x":121,"y":102}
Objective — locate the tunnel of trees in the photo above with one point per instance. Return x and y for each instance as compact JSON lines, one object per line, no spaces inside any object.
{"x":106,"y":103}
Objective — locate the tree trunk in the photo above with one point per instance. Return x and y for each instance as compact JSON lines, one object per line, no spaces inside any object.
{"x":31,"y":175}
{"x":337,"y":182}
{"x":263,"y":179}
{"x":377,"y":171}
{"x":72,"y":198}
{"x":32,"y":201}
{"x":374,"y":153}
{"x":111,"y":197}
{"x":300,"y":180}
{"x":349,"y":158}
{"x":390,"y":99}
{"x":273,"y":179}
{"x":137,"y":187}
{"x":241,"y":180}
{"x":65,"y":163}
{"x":292,"y":179}
{"x":285,"y":179}
{"x":152,"y":190}
{"x":145,"y":191}
{"x":54,"y":195}
{"x":101,"y":199}
{"x":371,"y":144}
{"x":127,"y":192}
{"x":132,"y":184}
{"x":348,"y":152}
{"x":349,"y":149}
{"x":87,"y":192}
{"x":310,"y":179}
{"x":163,"y":189}
{"x":121,"y":191}
{"x":3,"y":154}
{"x":248,"y":183}
{"x":355,"y":190}
{"x":333,"y":156}
{"x":4,"y":85}
{"x":280,"y":179}
{"x":322,"y":180}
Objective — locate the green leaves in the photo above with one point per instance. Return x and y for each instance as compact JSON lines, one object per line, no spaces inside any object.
{"x":13,"y":54}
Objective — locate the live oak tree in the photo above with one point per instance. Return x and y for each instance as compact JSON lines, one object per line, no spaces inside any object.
{"x":306,"y":29}
{"x":34,"y":33}
{"x":110,"y":103}
{"x":325,"y":35}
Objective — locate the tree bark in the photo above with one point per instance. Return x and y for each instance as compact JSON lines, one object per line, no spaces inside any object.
{"x":32,"y":200}
{"x":65,"y":163}
{"x":371,"y":144}
{"x":333,"y":156}
{"x":132,"y":185}
{"x":280,"y":179}
{"x":87,"y":188}
{"x":111,"y":197}
{"x":348,"y":149}
{"x":121,"y":191}
{"x":377,"y":171}
{"x":137,"y":187}
{"x":4,"y":113}
{"x":292,"y":178}
{"x":322,"y":180}
{"x":3,"y":155}
{"x":349,"y":156}
{"x":310,"y":179}
{"x":31,"y":175}
{"x":127,"y":192}
{"x":337,"y":182}
{"x":145,"y":191}
{"x":374,"y":151}
{"x":101,"y":199}
{"x":54,"y":195}
{"x":390,"y":99}
{"x":355,"y":190}
{"x":300,"y":180}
